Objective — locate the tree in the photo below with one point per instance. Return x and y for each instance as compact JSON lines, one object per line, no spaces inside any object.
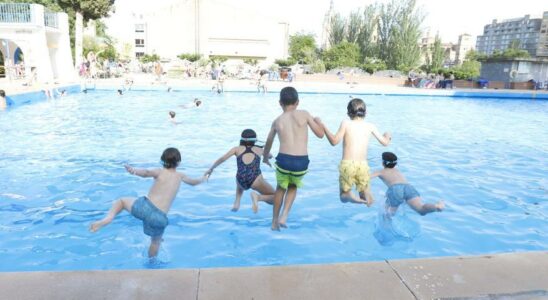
{"x":386,"y":22}
{"x":355,"y":25}
{"x":84,"y":10}
{"x":344,"y":54}
{"x":149,"y":58}
{"x":285,"y":62}
{"x":336,"y":29}
{"x":366,"y":42}
{"x":438,"y":55}
{"x":403,"y":52}
{"x":251,"y":61}
{"x":302,"y":48}
{"x":190,"y":57}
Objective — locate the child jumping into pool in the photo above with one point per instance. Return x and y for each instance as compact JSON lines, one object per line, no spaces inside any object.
{"x":399,"y":190}
{"x":353,"y":169}
{"x":248,"y":176}
{"x":152,"y":209}
{"x":292,"y":160}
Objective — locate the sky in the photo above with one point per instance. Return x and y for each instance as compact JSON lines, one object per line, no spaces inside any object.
{"x":449,"y":18}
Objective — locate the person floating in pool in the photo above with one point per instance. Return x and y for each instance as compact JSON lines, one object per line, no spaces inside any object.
{"x":152,"y":209}
{"x":172,"y":119}
{"x":399,"y":191}
{"x":353,"y":168}
{"x":248,"y":176}
{"x":292,"y":160}
{"x":196,"y":103}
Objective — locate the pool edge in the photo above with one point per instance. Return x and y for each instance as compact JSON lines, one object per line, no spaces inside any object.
{"x":508,"y":274}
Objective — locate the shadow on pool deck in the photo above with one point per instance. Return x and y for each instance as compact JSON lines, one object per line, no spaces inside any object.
{"x":502,"y":276}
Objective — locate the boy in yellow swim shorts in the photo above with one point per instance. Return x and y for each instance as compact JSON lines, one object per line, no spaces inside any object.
{"x":353,"y":169}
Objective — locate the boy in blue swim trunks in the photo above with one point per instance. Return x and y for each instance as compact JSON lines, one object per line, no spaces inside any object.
{"x":152,"y":209}
{"x":399,"y":190}
{"x":292,"y":160}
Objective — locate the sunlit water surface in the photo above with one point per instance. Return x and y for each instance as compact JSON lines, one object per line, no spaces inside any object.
{"x":61,"y":166}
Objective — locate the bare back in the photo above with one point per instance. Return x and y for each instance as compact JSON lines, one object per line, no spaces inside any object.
{"x":356,"y":139}
{"x":391,"y":176}
{"x":292,"y":129}
{"x":164,"y":189}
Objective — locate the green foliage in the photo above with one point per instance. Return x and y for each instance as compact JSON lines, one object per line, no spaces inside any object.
{"x":149,"y":58}
{"x":190,"y":57}
{"x":336,"y":29}
{"x":510,"y":53}
{"x":251,"y":61}
{"x":285,"y":62}
{"x":368,"y":30}
{"x":90,"y":9}
{"x":217,"y":59}
{"x":302,"y":48}
{"x":318,"y":66}
{"x":404,"y":51}
{"x":100,"y":28}
{"x":355,"y":24}
{"x":274,"y":67}
{"x":372,"y":65}
{"x":102,"y":47}
{"x":344,"y":54}
{"x":474,"y":55}
{"x":438,"y":55}
{"x":468,"y":70}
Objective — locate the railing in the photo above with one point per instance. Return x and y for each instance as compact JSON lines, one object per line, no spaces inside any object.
{"x":50,"y":19}
{"x":15,"y":13}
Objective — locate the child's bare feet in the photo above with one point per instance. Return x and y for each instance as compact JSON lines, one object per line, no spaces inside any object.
{"x":255,"y":200}
{"x":440,"y":206}
{"x":283,"y":221}
{"x":235,"y":208}
{"x":275,"y":226}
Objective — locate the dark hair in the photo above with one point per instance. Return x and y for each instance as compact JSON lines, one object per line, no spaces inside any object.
{"x":389,"y":160}
{"x":198,"y":102}
{"x":356,"y":108}
{"x":289,"y":96}
{"x":249,"y":137}
{"x":2,"y":93}
{"x":172,"y":114}
{"x":120,"y":92}
{"x":171,"y":158}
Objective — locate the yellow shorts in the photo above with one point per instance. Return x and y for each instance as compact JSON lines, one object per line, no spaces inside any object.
{"x":354,"y":173}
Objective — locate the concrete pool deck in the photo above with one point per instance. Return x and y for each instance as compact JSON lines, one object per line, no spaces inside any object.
{"x":501,"y":276}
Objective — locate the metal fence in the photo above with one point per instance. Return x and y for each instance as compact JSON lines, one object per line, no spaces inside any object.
{"x":50,"y":19}
{"x":15,"y":13}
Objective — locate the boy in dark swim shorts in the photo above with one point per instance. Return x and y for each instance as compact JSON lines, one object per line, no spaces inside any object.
{"x":292,"y":160}
{"x":152,"y":209}
{"x":399,"y":191}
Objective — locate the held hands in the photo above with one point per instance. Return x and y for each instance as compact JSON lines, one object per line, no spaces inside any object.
{"x":387,"y":136}
{"x":130,"y":169}
{"x":266,"y":160}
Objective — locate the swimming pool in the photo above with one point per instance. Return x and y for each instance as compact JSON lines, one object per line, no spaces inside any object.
{"x":61,"y":166}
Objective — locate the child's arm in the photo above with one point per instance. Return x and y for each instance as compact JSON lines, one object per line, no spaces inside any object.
{"x":335,"y":139}
{"x":268,"y":144}
{"x":142,"y":172}
{"x":315,"y":126}
{"x":384,"y":139}
{"x":221,"y":160}
{"x":375,"y":174}
{"x":192,"y":181}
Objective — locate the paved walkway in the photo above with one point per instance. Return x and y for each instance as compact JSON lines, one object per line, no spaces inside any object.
{"x":502,"y":276}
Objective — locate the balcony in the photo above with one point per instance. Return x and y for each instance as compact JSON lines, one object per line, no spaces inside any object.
{"x":27,"y":14}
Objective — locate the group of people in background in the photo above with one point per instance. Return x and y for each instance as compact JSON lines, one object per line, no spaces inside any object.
{"x":290,"y":166}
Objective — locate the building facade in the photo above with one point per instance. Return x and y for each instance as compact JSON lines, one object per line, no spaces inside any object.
{"x":515,"y":70}
{"x":542,"y":46}
{"x":206,"y":27}
{"x":33,"y":37}
{"x":499,"y":36}
{"x":464,"y":45}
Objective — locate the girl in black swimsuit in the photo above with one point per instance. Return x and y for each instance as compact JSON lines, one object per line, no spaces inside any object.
{"x":248,"y":176}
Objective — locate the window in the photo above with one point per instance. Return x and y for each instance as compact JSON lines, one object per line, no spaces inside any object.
{"x":139,"y":43}
{"x":139,"y":27}
{"x":139,"y":54}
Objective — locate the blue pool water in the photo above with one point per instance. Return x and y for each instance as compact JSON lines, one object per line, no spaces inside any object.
{"x":61,"y":166}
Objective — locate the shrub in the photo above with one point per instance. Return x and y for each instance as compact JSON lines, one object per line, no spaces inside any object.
{"x":190,"y":57}
{"x":318,"y":66}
